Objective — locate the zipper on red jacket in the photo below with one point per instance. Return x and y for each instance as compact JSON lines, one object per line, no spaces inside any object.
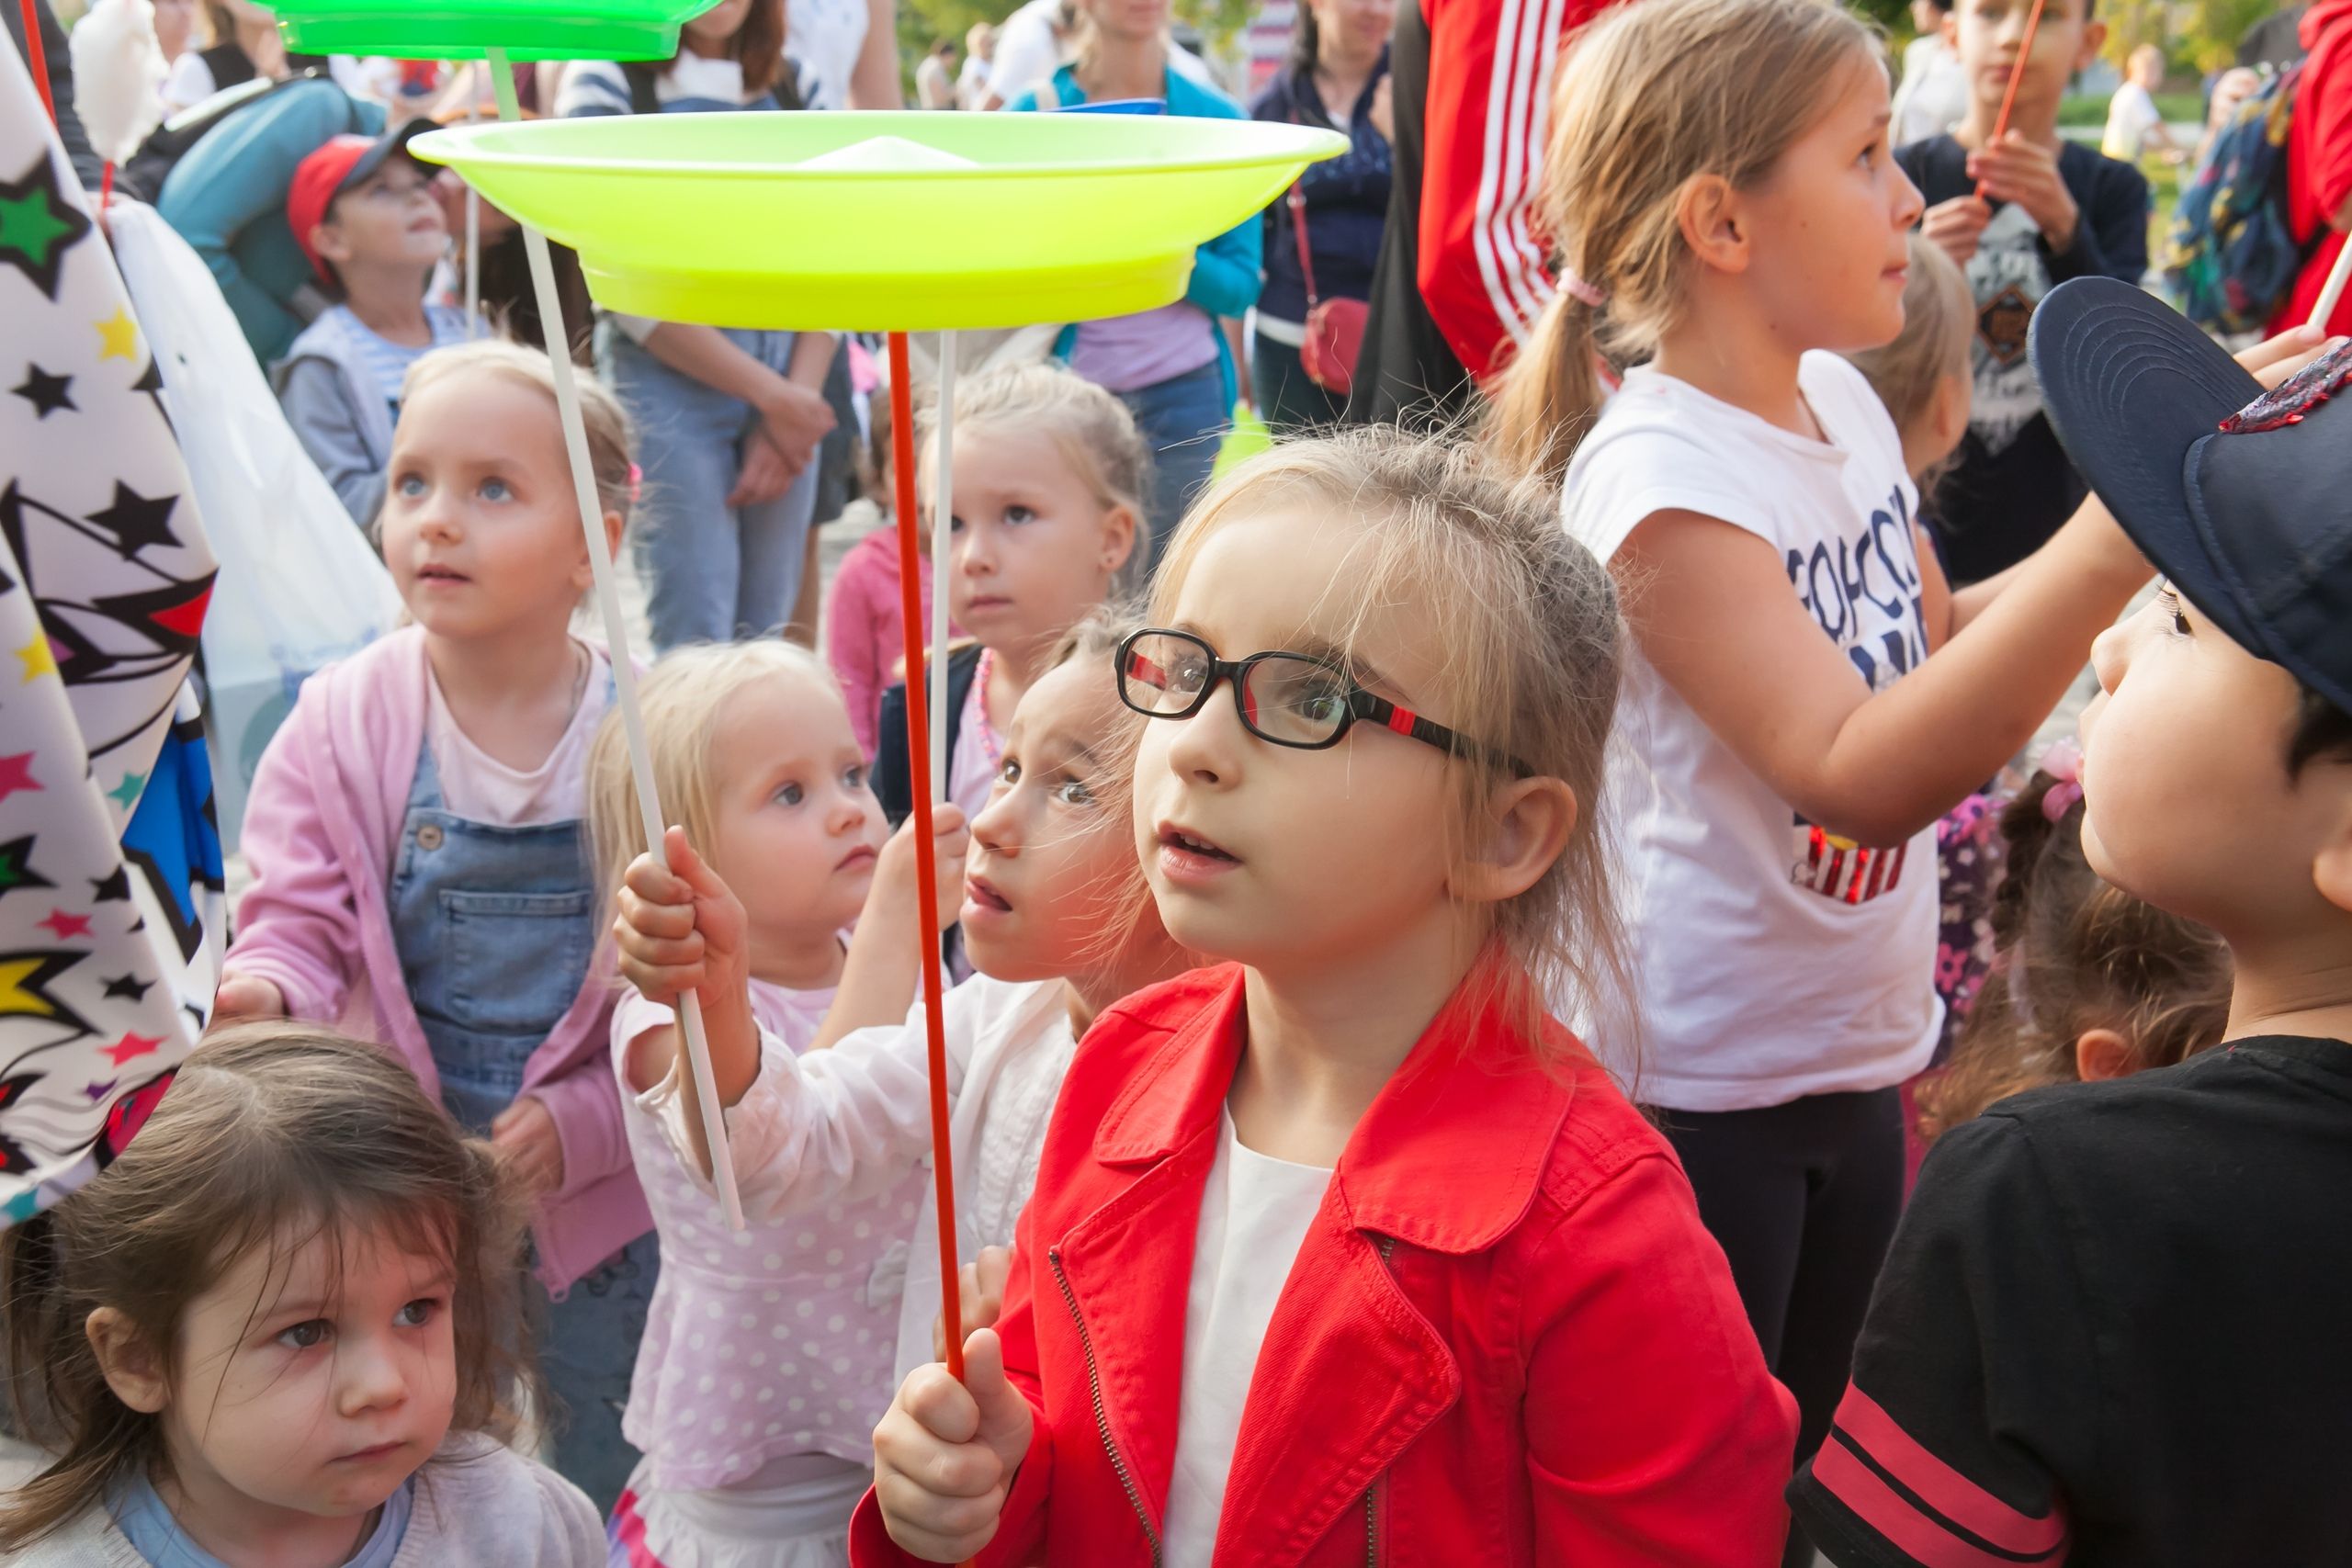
{"x":1102,"y":1414}
{"x":1387,"y":1246}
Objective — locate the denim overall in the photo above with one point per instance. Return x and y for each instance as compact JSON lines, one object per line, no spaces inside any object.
{"x":495,"y":929}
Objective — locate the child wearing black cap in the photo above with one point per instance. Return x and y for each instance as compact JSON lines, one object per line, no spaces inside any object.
{"x":2113,"y":1327}
{"x":364,"y":214}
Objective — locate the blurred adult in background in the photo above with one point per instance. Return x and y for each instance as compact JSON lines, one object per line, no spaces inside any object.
{"x":1171,"y":366}
{"x":934,"y":78}
{"x":174,"y":28}
{"x":728,"y":419}
{"x":1335,"y":79}
{"x":1461,"y":278}
{"x":850,"y":47}
{"x":2319,"y":160}
{"x":972,"y":82}
{"x":1934,"y":92}
{"x":227,"y":198}
{"x":1042,"y":37}
{"x":2133,"y":122}
{"x":237,"y":42}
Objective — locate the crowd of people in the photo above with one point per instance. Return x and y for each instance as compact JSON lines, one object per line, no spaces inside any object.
{"x":1707,"y":921}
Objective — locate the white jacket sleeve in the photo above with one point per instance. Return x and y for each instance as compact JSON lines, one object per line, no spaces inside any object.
{"x":832,"y":1126}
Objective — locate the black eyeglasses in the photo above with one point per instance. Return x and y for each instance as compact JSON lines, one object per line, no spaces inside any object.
{"x":1289,"y":699}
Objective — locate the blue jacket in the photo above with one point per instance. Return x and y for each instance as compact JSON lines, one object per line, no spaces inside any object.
{"x":227,"y":199}
{"x":1225,"y":271}
{"x":1347,"y":201}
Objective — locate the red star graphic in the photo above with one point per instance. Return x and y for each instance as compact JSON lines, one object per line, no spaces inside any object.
{"x":65,"y":927}
{"x":128,"y":1046}
{"x":16,"y":773}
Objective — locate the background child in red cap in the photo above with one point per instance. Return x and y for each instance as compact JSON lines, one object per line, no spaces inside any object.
{"x":364,"y":213}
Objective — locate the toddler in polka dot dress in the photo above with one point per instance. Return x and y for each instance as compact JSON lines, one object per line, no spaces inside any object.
{"x":769,"y":1352}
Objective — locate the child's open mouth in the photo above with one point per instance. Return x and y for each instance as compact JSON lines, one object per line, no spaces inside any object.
{"x":981,"y":895}
{"x":1186,"y":856}
{"x":440,"y":574}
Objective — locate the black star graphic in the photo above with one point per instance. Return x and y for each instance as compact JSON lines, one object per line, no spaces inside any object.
{"x":38,"y":225}
{"x":136,"y":521}
{"x":46,"y":392}
{"x":150,"y":381}
{"x":15,"y":867}
{"x":129,"y":989}
{"x":113,"y":889}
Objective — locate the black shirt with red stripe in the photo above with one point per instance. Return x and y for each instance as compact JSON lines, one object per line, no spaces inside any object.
{"x":2115,"y":1329}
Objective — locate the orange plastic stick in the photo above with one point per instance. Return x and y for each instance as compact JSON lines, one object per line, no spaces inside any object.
{"x":37,"y":57}
{"x":2016,"y":74}
{"x":919,"y":764}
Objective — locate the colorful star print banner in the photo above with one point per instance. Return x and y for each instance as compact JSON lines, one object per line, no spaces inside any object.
{"x":110,"y":860}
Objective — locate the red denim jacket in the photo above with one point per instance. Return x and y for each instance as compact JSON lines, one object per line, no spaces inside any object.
{"x":1506,"y":1339}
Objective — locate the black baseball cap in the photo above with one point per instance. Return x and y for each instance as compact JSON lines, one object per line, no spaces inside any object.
{"x":2242,"y":498}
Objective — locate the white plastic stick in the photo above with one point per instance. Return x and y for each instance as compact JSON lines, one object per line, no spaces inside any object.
{"x":2322,"y":313}
{"x":942,"y":512}
{"x":473,"y":263}
{"x":608,"y":599}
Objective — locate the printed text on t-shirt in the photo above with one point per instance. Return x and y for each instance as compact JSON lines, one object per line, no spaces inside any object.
{"x":1877,"y":567}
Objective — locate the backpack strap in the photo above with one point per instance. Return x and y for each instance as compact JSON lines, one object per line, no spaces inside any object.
{"x":1297,"y":201}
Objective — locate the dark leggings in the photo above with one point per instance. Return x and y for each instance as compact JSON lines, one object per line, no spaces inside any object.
{"x":1804,"y":1197}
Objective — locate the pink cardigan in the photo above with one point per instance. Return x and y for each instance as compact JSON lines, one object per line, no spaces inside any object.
{"x":863,"y":626}
{"x":321,"y":825}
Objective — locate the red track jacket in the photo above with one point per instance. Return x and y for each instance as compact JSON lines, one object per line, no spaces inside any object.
{"x":1506,"y":1339}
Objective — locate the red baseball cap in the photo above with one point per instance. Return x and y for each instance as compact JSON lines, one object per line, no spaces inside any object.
{"x":329,"y":171}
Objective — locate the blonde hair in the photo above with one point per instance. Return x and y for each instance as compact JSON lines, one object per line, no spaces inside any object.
{"x":1091,"y":428}
{"x":1532,"y":648}
{"x":610,"y":439}
{"x":271,"y":1135}
{"x":1938,"y":326}
{"x":685,"y":698}
{"x":1650,"y":98}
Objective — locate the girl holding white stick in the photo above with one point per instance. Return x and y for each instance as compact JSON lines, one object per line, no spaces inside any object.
{"x":767,"y":1355}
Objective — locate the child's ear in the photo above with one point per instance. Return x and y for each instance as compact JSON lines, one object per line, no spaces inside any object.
{"x":1707,"y":211}
{"x":126,"y":1361}
{"x":2093,"y":38}
{"x":2332,"y":867}
{"x":1954,"y":394}
{"x":1530,"y":823}
{"x":2101,"y":1055}
{"x":1118,"y":537}
{"x":327,"y":239}
{"x":583,"y":575}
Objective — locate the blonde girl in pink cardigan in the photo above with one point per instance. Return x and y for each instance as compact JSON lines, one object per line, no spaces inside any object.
{"x":421,"y":873}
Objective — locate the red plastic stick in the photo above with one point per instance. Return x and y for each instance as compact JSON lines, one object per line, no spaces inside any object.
{"x":919,"y":762}
{"x":37,"y":56}
{"x":2016,"y":74}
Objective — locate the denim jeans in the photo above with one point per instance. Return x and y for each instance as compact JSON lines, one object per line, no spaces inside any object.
{"x":495,"y":928}
{"x":1184,"y":421}
{"x":713,"y":573}
{"x":1286,"y":395}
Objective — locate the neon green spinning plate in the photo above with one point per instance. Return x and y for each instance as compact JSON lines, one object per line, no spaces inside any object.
{"x":470,"y":30}
{"x":906,"y":222}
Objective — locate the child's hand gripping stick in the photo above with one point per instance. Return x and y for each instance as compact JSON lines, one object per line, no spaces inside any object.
{"x":946,"y":1451}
